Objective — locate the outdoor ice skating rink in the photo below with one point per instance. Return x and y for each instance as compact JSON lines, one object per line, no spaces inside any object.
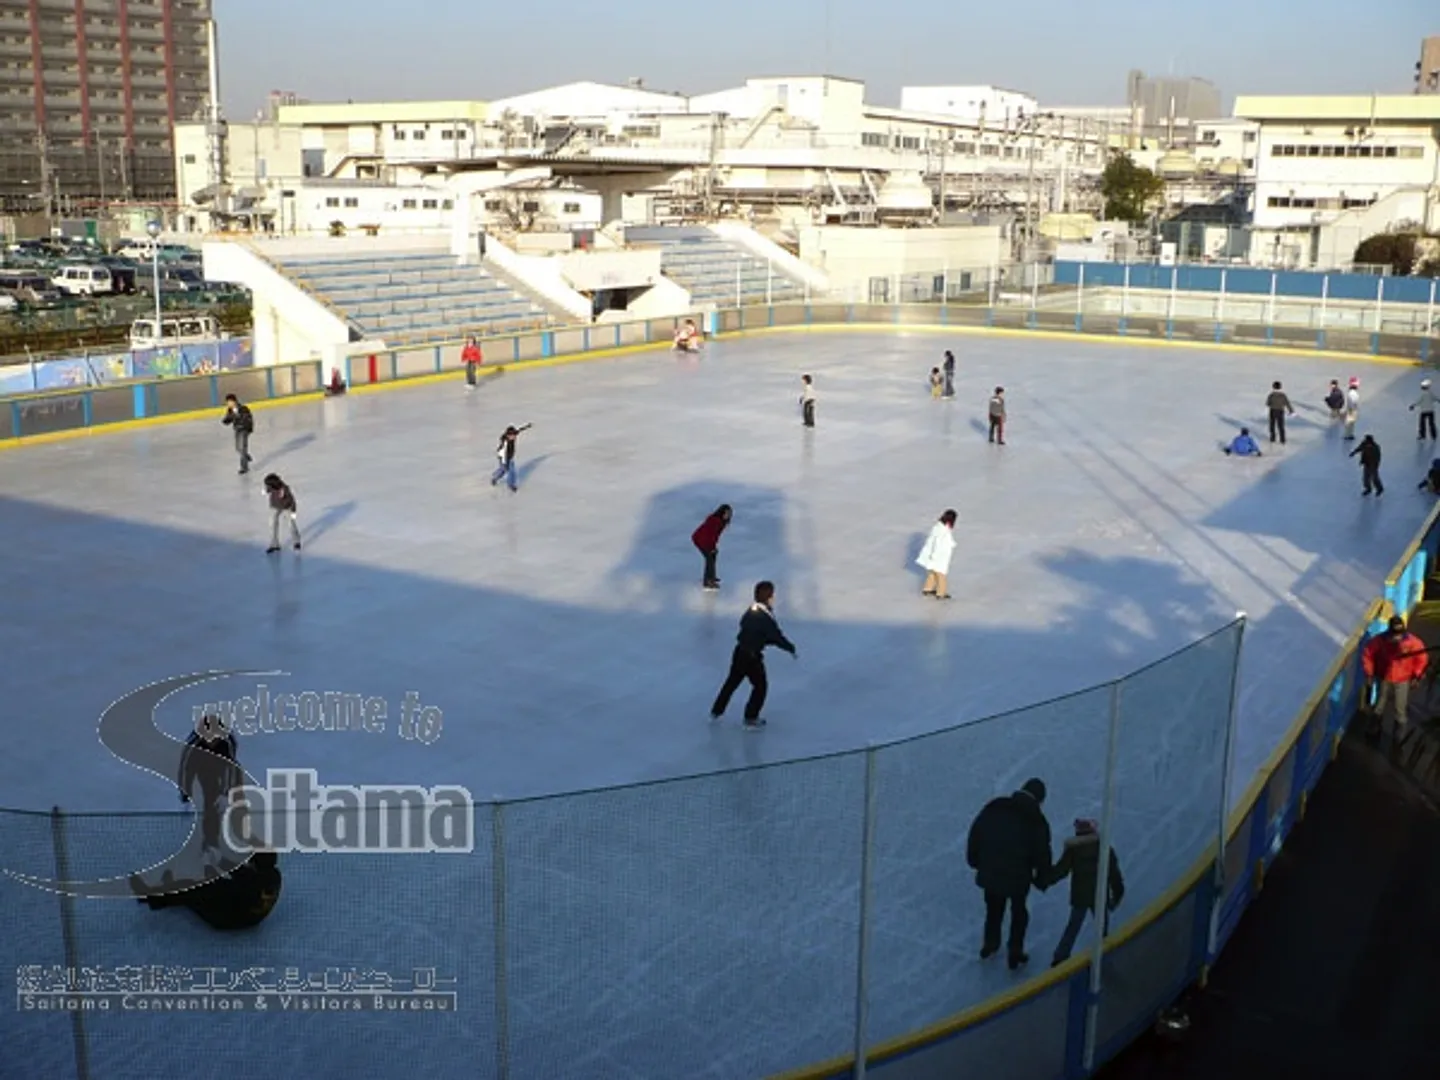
{"x":563,"y":636}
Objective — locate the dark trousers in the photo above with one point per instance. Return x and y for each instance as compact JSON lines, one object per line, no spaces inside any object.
{"x":949,"y":390}
{"x":1370,"y":477}
{"x":743,"y":665}
{"x":711,"y":571}
{"x":242,"y":447}
{"x":1078,"y":916}
{"x":1427,"y":425}
{"x":995,"y":904}
{"x":997,"y":429}
{"x":470,"y":369}
{"x":809,"y":414}
{"x":1277,"y":424}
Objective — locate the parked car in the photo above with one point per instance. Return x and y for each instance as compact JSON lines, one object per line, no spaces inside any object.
{"x":28,"y":287}
{"x":173,"y":279}
{"x":84,"y":279}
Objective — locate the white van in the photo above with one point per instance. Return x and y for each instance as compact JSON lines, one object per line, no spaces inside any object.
{"x":82,"y":279}
{"x":177,"y":330}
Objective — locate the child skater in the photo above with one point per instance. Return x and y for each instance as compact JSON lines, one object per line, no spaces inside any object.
{"x":937,"y":383}
{"x":505,"y":455}
{"x":807,"y":401}
{"x":282,"y":503}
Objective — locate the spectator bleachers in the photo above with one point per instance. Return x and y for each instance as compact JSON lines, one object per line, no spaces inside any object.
{"x":416,"y":297}
{"x":714,"y":270}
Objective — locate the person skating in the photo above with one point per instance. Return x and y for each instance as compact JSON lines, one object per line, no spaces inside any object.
{"x":1432,"y":478}
{"x":1243,"y":445}
{"x":505,"y":455}
{"x":472,"y":358}
{"x":1393,"y":662}
{"x":282,"y":504}
{"x":1335,"y":400}
{"x":1009,"y":850}
{"x":1278,"y":405}
{"x":935,"y":556}
{"x":758,"y":629}
{"x":706,"y":538}
{"x":807,"y":401}
{"x":209,"y":763}
{"x":949,"y":370}
{"x":1080,"y":861}
{"x":937,"y":383}
{"x":239,"y":418}
{"x":1352,"y":408}
{"x":997,"y":416}
{"x":1369,"y":454}
{"x":1426,"y":404}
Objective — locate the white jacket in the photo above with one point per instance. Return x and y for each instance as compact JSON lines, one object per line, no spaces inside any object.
{"x":938,"y":550}
{"x":1352,"y":401}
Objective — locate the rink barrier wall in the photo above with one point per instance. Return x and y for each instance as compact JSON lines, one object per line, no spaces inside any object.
{"x":46,"y":416}
{"x":1148,"y":958}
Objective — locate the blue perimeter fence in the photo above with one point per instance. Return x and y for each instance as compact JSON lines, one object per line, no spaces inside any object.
{"x":1250,"y":281}
{"x":601,"y":933}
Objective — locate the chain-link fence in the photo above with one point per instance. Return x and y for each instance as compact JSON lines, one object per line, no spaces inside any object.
{"x":727,"y":925}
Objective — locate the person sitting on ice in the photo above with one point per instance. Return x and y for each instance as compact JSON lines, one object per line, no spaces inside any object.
{"x":1243,"y":445}
{"x":687,"y":337}
{"x":336,"y":386}
{"x":1432,"y":478}
{"x":237,"y":900}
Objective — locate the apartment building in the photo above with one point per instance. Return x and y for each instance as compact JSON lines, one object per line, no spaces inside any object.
{"x":90,"y":92}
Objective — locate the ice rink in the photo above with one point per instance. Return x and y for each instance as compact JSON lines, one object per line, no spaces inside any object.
{"x":562,"y":633}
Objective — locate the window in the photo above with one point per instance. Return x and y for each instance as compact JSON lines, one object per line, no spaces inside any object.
{"x":530,"y":207}
{"x":189,"y":159}
{"x":873,"y":138}
{"x":446,"y":133}
{"x":408,"y":204}
{"x":332,"y":201}
{"x":447,"y":205}
{"x":398,"y":134}
{"x":494,"y":204}
{"x":1277,"y":202}
{"x":352,"y":202}
{"x":571,"y":208}
{"x":1412,"y":152}
{"x":418,"y":135}
{"x":430,"y":204}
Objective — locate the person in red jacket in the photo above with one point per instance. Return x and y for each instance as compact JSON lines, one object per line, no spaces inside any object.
{"x":1393,"y":661}
{"x":472,"y":358}
{"x":707,"y":539}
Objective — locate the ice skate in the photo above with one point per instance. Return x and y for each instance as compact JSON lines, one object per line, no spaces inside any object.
{"x":271,"y":550}
{"x":756,"y":724}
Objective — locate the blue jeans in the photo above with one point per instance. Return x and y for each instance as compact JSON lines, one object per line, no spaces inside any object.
{"x":507,"y":470}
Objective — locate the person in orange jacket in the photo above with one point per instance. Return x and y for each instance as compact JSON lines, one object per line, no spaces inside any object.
{"x":472,"y":358}
{"x":1393,"y":662}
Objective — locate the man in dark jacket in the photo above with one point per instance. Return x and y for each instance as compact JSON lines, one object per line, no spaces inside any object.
{"x":239,"y":417}
{"x":1080,"y":861}
{"x":1009,"y":850}
{"x":1278,"y":404}
{"x":1369,"y":452}
{"x":758,"y":629}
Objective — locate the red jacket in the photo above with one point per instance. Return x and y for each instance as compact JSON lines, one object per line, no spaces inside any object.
{"x":707,"y":536}
{"x":1399,"y":659}
{"x":471,"y":355}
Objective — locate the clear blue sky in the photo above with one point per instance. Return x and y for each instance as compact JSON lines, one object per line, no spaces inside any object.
{"x":1064,"y":52}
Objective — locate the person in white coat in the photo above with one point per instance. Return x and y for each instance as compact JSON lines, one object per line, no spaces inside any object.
{"x":1352,"y":408}
{"x":936,"y":554}
{"x":1426,"y":404}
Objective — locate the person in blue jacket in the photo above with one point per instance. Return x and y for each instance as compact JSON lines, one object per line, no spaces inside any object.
{"x":1243,"y":445}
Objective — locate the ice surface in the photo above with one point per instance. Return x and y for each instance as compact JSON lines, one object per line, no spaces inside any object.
{"x":704,"y":928}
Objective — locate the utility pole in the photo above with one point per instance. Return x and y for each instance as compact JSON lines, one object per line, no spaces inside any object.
{"x":944,"y":140}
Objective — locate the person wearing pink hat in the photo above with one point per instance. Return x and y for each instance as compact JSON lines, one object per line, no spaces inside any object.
{"x":1352,"y":408}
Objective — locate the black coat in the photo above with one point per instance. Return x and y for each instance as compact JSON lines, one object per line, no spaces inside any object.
{"x":241,"y":418}
{"x":758,"y":629}
{"x":1081,"y":862}
{"x":1009,"y":845}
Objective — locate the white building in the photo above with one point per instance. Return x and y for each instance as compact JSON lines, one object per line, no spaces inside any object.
{"x":1331,"y":171}
{"x":996,"y":107}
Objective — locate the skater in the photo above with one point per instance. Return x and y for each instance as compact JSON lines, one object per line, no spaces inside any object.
{"x":237,"y":900}
{"x":1352,"y":408}
{"x":707,"y":539}
{"x":687,"y":337}
{"x":949,"y":373}
{"x":758,"y":629}
{"x":1009,"y":850}
{"x":807,"y":401}
{"x":1243,"y":445}
{"x":935,"y":556}
{"x":1369,"y":453}
{"x":937,"y":383}
{"x":282,"y":503}
{"x":505,"y":454}
{"x":1278,"y":404}
{"x":472,"y":357}
{"x":1335,"y":400}
{"x":209,"y":762}
{"x":1426,"y":404}
{"x":1080,"y":861}
{"x":1432,"y":478}
{"x":997,"y":416}
{"x":1393,"y":662}
{"x":336,"y":386}
{"x":240,"y":418}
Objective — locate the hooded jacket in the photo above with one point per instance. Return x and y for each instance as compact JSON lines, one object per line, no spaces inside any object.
{"x":1394,"y":658}
{"x":1080,"y":861}
{"x":1009,"y":845}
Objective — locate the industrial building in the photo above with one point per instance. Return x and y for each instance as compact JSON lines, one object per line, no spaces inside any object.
{"x":90,"y":91}
{"x":1170,"y":107}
